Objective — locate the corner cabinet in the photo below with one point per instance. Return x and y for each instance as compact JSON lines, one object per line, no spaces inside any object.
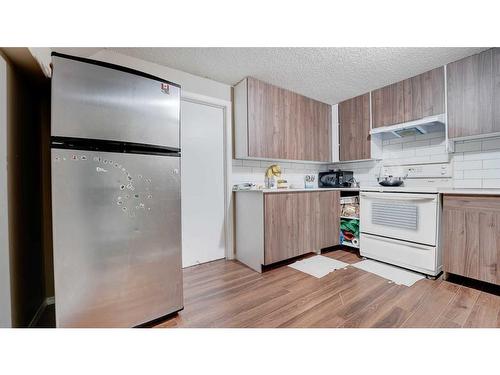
{"x":474,"y":95}
{"x":354,"y":128}
{"x":471,"y":237}
{"x":275,"y":226}
{"x":274,"y":123}
{"x":412,"y":99}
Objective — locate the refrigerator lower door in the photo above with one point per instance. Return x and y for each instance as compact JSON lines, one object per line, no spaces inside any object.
{"x":117,"y":238}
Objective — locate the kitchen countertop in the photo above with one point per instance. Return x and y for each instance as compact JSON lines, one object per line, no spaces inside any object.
{"x":296,"y":190}
{"x":468,"y":191}
{"x":431,"y":189}
{"x":402,"y":189}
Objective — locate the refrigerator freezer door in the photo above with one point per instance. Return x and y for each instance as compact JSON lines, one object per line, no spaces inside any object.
{"x":117,"y":238}
{"x":96,"y":102}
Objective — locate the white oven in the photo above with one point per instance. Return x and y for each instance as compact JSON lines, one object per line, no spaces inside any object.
{"x":402,"y":229}
{"x":404,"y":216}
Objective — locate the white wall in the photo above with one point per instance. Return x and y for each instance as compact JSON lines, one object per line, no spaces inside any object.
{"x":188,"y":82}
{"x":42,"y":55}
{"x":5,"y":298}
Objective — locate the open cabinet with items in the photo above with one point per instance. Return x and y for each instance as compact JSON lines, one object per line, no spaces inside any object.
{"x":349,"y":220}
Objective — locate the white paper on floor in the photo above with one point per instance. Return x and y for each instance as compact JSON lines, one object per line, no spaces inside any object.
{"x":396,"y":274}
{"x":318,"y":265}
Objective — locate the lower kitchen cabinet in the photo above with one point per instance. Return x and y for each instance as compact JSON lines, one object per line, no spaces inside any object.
{"x":282,"y":225}
{"x":271,"y":227}
{"x":328,"y":219}
{"x":471,"y":231}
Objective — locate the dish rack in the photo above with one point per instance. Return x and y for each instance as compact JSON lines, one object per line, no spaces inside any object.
{"x":349,"y":221}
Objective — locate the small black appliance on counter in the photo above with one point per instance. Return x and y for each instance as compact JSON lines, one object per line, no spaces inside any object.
{"x":334,"y":179}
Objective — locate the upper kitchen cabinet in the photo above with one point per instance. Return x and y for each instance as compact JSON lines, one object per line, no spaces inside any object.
{"x":474,"y":95}
{"x":424,"y":95}
{"x":388,"y":105}
{"x":412,"y":99}
{"x":354,"y":128}
{"x":273,"y":123}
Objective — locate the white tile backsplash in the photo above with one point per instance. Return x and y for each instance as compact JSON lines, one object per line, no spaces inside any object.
{"x":467,"y":184}
{"x":459,"y":175}
{"x":468,"y":164}
{"x":491,"y":163}
{"x":438,"y":141}
{"x":468,"y":146}
{"x":492,"y":184}
{"x":490,"y":144}
{"x":490,"y":173}
{"x":475,"y":163}
{"x":423,"y":148}
{"x":431,"y":150}
{"x":473,"y":174}
{"x":251,"y":163}
{"x":413,"y":145}
{"x":253,"y":171}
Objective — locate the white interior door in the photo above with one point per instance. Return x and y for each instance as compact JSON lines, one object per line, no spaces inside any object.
{"x":202,"y":183}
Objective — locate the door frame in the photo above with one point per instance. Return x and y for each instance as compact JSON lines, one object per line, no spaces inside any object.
{"x":226,"y":107}
{"x":5,"y":284}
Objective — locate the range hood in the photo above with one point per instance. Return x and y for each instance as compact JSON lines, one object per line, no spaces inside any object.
{"x":420,"y":126}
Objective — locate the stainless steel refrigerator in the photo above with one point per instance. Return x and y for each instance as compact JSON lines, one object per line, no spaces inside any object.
{"x":116,"y":204}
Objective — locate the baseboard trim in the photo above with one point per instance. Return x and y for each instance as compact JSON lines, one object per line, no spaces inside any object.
{"x":41,"y":309}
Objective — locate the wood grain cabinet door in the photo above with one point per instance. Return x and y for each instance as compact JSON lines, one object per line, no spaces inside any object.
{"x":354,"y":128}
{"x":388,"y":105}
{"x":266,"y":120}
{"x":329,"y":219}
{"x":461,"y":241}
{"x":474,"y":95}
{"x":299,"y":223}
{"x":496,"y":89}
{"x":286,"y":125}
{"x":320,"y":131}
{"x":424,"y":95}
{"x":308,"y":204}
{"x":489,"y":246}
{"x":471,"y":230}
{"x":281,"y":239}
{"x":412,"y":99}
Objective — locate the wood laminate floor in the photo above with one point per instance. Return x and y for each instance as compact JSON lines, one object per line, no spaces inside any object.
{"x":228,"y":294}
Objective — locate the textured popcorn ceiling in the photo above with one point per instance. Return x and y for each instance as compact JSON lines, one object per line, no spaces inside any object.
{"x":326,"y":74}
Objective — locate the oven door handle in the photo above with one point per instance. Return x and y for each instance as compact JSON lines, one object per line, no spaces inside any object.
{"x":392,"y":196}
